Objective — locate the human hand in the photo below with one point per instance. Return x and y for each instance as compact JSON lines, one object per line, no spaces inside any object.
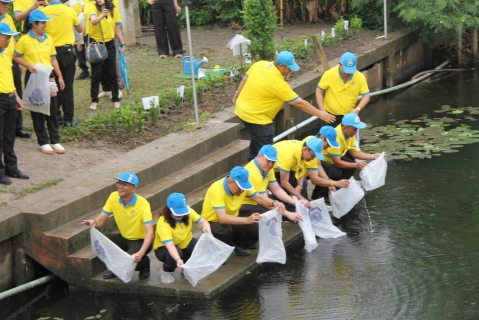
{"x":105,"y":13}
{"x":79,"y":47}
{"x":279,"y":206}
{"x":90,"y":223}
{"x":293,"y":216}
{"x":32,"y":69}
{"x":206,"y":230}
{"x":180,"y":264}
{"x":19,"y":103}
{"x":150,"y":2}
{"x":177,"y":9}
{"x":137,"y":256}
{"x":360,"y":165}
{"x":306,"y":203}
{"x":61,"y":83}
{"x":254,"y":218}
{"x":326,"y":117}
{"x":343,"y":183}
{"x":39,"y":3}
{"x":123,"y":48}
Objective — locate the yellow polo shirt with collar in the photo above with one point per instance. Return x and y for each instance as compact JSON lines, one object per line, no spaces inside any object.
{"x":6,"y":18}
{"x":60,"y":28}
{"x":33,"y":50}
{"x":345,"y":144}
{"x":290,"y":156}
{"x":219,"y":197}
{"x":259,"y":179}
{"x":6,"y":74}
{"x":341,"y":96}
{"x":181,"y":235}
{"x":310,"y":165}
{"x":107,"y":25}
{"x":89,"y":7}
{"x":263,"y":94}
{"x":131,"y":218}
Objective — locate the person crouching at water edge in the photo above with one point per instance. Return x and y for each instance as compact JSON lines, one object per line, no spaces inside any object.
{"x":132,"y":214}
{"x":174,"y":242}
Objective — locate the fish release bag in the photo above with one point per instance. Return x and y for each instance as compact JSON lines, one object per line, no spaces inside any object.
{"x":37,"y":91}
{"x":321,"y":221}
{"x":310,"y":242}
{"x":373,"y":175}
{"x":271,"y":246}
{"x":343,"y":200}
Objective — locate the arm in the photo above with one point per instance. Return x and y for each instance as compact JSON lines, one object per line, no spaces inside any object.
{"x":284,"y":177}
{"x":225,"y":218}
{"x":279,"y":193}
{"x":362,"y":103}
{"x":79,"y":29}
{"x":146,"y":243}
{"x":348,"y":165}
{"x":177,"y":7}
{"x":364,"y":156}
{"x":204,"y":225}
{"x":56,"y":69}
{"x":98,"y":222}
{"x":321,"y":179}
{"x":20,"y":16}
{"x":18,"y":101}
{"x":96,"y":20}
{"x":306,"y":107}
{"x":320,"y":99}
{"x":18,"y":59}
{"x":240,"y":87}
{"x":119,"y":35}
{"x":170,"y":246}
{"x":264,"y":201}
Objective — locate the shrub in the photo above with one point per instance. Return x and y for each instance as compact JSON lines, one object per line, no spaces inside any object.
{"x":260,"y":21}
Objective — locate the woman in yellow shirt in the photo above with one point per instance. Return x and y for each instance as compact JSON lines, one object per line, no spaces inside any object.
{"x":174,"y":242}
{"x":38,"y":47}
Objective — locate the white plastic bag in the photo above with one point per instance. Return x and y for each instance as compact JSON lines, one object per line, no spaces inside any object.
{"x":209,"y":254}
{"x":36,"y":96}
{"x":343,"y":200}
{"x":310,"y":242}
{"x":373,"y":175}
{"x":321,"y":221}
{"x":271,"y":246}
{"x":117,"y":261}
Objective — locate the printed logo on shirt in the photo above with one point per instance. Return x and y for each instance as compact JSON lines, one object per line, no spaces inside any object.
{"x":132,"y":212}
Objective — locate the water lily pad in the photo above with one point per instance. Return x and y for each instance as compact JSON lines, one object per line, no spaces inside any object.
{"x":450,"y":151}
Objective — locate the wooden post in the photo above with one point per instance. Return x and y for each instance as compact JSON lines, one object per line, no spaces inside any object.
{"x":474,"y":44}
{"x":459,"y":47}
{"x":320,"y":52}
{"x":281,"y":15}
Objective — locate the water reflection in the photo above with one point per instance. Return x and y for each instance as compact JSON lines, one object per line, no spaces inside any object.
{"x":419,"y":263}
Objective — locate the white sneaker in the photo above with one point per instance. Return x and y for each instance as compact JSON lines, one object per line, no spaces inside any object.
{"x":120,"y":95}
{"x":105,"y":94}
{"x":57,"y":148}
{"x":46,"y":149}
{"x":167,"y":277}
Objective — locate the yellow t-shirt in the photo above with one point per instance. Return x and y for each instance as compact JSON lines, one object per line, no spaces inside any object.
{"x":132,"y":218}
{"x":107,"y":25}
{"x":6,"y":75}
{"x":313,"y":164}
{"x":33,"y":50}
{"x":6,"y":18}
{"x":264,"y":94}
{"x":259,"y":179}
{"x":345,"y":144}
{"x":218,"y":197}
{"x":60,"y":28}
{"x":341,"y":97}
{"x":181,"y":235}
{"x":290,"y":156}
{"x":89,"y":7}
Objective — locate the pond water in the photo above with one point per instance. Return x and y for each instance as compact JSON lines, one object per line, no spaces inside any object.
{"x":418,"y":261}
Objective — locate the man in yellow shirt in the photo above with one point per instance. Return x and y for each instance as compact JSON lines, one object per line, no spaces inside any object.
{"x":262,"y":93}
{"x":342,"y":85}
{"x":221,"y":207}
{"x":132,"y":214}
{"x":9,"y":103}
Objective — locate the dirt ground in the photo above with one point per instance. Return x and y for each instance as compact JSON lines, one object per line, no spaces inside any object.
{"x":209,"y":41}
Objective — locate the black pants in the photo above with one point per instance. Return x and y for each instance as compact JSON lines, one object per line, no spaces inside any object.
{"x":336,"y":122}
{"x":39,"y":120}
{"x":235,"y":235}
{"x":165,"y":21}
{"x":109,"y":68}
{"x":294,"y":183}
{"x":81,"y":57}
{"x":8,"y":114}
{"x":260,"y":135}
{"x":17,"y":79}
{"x":66,"y":61}
{"x":251,"y":231}
{"x":131,"y":247}
{"x":169,"y":264}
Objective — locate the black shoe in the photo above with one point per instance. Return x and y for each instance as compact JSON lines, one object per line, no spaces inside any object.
{"x":242,"y":252}
{"x":109,"y":275}
{"x":17,"y":174}
{"x":23,"y":134}
{"x":61,"y":121}
{"x":72,"y":123}
{"x":253,"y":246}
{"x":83,"y":75}
{"x":145,"y":273}
{"x":5,"y":180}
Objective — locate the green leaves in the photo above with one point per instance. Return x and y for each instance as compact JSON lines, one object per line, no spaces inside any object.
{"x":260,"y":21}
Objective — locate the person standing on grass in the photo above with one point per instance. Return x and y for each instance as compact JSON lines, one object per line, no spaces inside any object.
{"x":339,"y":88}
{"x":132,"y":214}
{"x":262,"y":93}
{"x":10,"y":102}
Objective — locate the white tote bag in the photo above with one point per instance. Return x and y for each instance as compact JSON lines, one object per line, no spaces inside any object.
{"x":343,"y":200}
{"x":209,"y":254}
{"x":36,"y":96}
{"x":117,"y":261}
{"x":373,"y":175}
{"x":271,"y":246}
{"x":310,"y":242}
{"x":321,"y":221}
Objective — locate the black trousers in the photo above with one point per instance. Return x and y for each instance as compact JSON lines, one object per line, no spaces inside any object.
{"x":260,"y":135}
{"x":235,"y":235}
{"x":17,"y":79}
{"x":294,"y":183}
{"x":81,"y":58}
{"x":336,"y":122}
{"x":165,"y":21}
{"x":8,"y":114}
{"x":39,"y":120}
{"x":169,"y":264}
{"x":66,"y":61}
{"x":251,"y":235}
{"x":131,"y":247}
{"x":108,"y":67}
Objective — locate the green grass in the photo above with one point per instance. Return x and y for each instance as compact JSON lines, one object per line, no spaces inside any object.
{"x":29,"y":190}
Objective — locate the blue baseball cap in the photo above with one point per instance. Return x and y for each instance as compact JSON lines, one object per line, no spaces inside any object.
{"x":269,"y":152}
{"x":128,"y":177}
{"x":352,"y":119}
{"x":241,"y":176}
{"x":331,"y":135}
{"x":316,"y":144}
{"x":348,"y":60}
{"x":37,"y":15}
{"x":177,"y":204}
{"x":286,"y":58}
{"x":6,"y":1}
{"x":5,"y":29}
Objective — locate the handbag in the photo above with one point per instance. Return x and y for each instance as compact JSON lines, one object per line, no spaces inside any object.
{"x":96,"y":52}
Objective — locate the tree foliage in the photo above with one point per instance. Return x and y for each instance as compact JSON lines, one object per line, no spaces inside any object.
{"x":260,"y":22}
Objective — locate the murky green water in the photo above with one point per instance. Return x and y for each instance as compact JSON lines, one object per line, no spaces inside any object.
{"x":419,"y":261}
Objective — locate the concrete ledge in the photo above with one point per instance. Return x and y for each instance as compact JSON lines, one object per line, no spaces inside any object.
{"x":11,"y":222}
